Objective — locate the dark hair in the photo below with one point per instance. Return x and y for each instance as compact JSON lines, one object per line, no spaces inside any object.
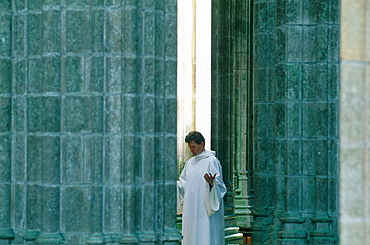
{"x":194,"y":136}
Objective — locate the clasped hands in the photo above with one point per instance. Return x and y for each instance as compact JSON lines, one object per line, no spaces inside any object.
{"x":209,"y":178}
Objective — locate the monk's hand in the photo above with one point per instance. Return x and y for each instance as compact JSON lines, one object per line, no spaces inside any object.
{"x":209,"y":178}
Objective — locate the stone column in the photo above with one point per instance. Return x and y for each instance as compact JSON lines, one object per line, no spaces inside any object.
{"x":242,"y":116}
{"x":296,"y":94}
{"x":354,"y":122}
{"x":88,"y":122}
{"x":223,"y":113}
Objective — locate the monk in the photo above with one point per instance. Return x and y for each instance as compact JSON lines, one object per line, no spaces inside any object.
{"x":200,"y":195}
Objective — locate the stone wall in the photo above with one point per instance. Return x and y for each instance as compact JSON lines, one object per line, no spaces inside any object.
{"x":354,"y":122}
{"x":88,"y":122}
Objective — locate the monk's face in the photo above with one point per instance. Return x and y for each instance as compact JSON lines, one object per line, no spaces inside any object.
{"x":196,"y":148}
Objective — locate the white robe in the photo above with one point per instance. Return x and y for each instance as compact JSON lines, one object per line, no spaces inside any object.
{"x":202,"y":207}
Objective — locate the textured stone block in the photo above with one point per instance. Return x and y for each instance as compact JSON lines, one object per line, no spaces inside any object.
{"x":314,"y":81}
{"x":5,"y":5}
{"x":113,"y":208}
{"x":113,"y":75}
{"x":6,"y":76}
{"x":34,"y":158}
{"x":294,"y":44}
{"x":19,"y":205}
{"x":309,"y":194}
{"x":35,"y":75}
{"x":170,"y":76}
{"x":73,"y":73}
{"x":5,"y":158}
{"x":314,"y":157}
{"x":50,"y":160}
{"x":97,"y":29}
{"x":333,"y":44}
{"x":19,"y":67}
{"x":113,"y":114}
{"x":294,"y":115}
{"x":51,"y":75}
{"x":260,"y":88}
{"x":280,"y":83}
{"x":51,"y":30}
{"x":264,"y":16}
{"x":149,"y":77}
{"x":159,"y":35}
{"x":77,"y":209}
{"x":19,"y":112}
{"x":159,"y":116}
{"x":280,"y":45}
{"x":5,"y":114}
{"x":265,"y":157}
{"x":33,"y":208}
{"x":149,"y":112}
{"x":5,"y":207}
{"x":281,"y":156}
{"x":6,"y":31}
{"x":170,"y":36}
{"x":333,"y":157}
{"x":132,"y":114}
{"x":293,"y":81}
{"x":43,"y":114}
{"x":293,"y":156}
{"x":19,"y":36}
{"x":171,"y":122}
{"x":43,"y":159}
{"x":292,"y":194}
{"x":169,"y":171}
{"x":129,"y":209}
{"x":149,"y":33}
{"x":96,"y":215}
{"x":19,"y":159}
{"x":34,"y":37}
{"x":129,"y":31}
{"x":78,"y":25}
{"x":333,"y":115}
{"x":113,"y":31}
{"x":93,"y":159}
{"x":73,"y":165}
{"x":148,"y":194}
{"x":94,"y":77}
{"x":129,"y":75}
{"x":280,"y":111}
{"x":129,"y":159}
{"x":333,"y":81}
{"x":315,"y":43}
{"x":315,"y":119}
{"x":50,"y":208}
{"x":315,"y":12}
{"x":265,"y":117}
{"x":113,"y":160}
{"x":83,"y":114}
{"x":148,"y":152}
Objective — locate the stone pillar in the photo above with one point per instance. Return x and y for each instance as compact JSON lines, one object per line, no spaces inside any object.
{"x":242,"y":116}
{"x":223,"y":113}
{"x":6,"y":231}
{"x":354,"y":122}
{"x":88,"y":122}
{"x":296,"y":95}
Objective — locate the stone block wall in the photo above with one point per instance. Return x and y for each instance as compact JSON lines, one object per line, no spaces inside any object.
{"x":87,"y":122}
